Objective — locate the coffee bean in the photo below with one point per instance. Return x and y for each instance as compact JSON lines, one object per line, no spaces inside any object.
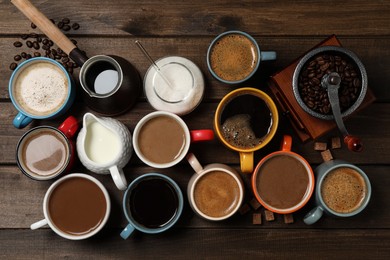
{"x":18,"y":44}
{"x":48,"y":51}
{"x":24,"y":36}
{"x":57,"y":57}
{"x":66,"y":27}
{"x":60,"y":25}
{"x":66,"y":20}
{"x":17,"y":57}
{"x":54,"y":52}
{"x":28,"y":56}
{"x":29,"y":44}
{"x":51,"y":43}
{"x":65,"y":59}
{"x":45,"y":41}
{"x":23,"y":54}
{"x":37,"y":54}
{"x":13,"y":66}
{"x":33,"y":26}
{"x":45,"y":47}
{"x":36,"y":45}
{"x":75,"y":26}
{"x":33,"y":35}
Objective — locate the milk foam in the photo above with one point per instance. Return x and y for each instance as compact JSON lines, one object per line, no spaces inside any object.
{"x":41,"y":88}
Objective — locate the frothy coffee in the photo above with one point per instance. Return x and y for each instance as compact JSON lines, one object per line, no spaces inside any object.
{"x":233,"y":57}
{"x":343,"y":190}
{"x":217,"y":194}
{"x":41,"y":88}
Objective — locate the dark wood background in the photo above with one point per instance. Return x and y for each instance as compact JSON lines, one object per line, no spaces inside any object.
{"x":185,"y":28}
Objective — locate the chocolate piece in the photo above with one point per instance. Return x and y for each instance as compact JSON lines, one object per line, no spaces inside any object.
{"x":326,"y":155}
{"x":320,"y":146}
{"x":336,"y":143}
{"x":256,"y":218}
{"x":269,"y":215}
{"x":255,"y":204}
{"x":244,"y":209}
{"x":288,"y":218}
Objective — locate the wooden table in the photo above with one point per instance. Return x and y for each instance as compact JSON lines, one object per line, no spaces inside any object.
{"x":185,"y":28}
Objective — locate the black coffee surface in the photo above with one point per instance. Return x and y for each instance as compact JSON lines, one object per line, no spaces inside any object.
{"x":153,"y":203}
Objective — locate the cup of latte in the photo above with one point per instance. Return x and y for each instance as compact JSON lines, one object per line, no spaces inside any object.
{"x":40,"y":88}
{"x":343,"y":190}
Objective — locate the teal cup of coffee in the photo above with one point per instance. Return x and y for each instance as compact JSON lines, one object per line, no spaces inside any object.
{"x":40,"y":88}
{"x":152,"y":204}
{"x":234,"y":56}
{"x":342,"y":190}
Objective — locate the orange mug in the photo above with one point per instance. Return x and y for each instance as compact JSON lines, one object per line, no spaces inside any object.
{"x":283,"y":181}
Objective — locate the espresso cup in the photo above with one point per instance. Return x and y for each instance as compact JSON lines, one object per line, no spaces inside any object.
{"x":234,"y":56}
{"x":40,"y":88}
{"x":152,"y":204}
{"x":245,"y":121}
{"x":76,"y":207}
{"x":283,"y":181}
{"x":162,"y":139}
{"x":216,"y":191}
{"x":343,"y":190}
{"x":45,"y":152}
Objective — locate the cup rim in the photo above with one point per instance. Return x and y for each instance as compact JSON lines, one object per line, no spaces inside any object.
{"x":53,"y":176}
{"x":142,"y":122}
{"x":50,"y":191}
{"x":206,"y":170}
{"x":173,"y":221}
{"x":212,"y":45}
{"x":309,"y":190}
{"x":366,"y":198}
{"x":242,"y":91}
{"x":20,"y":68}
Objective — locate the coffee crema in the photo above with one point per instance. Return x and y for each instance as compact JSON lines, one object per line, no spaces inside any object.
{"x":77,"y":206}
{"x":41,"y":88}
{"x":43,"y":152}
{"x":343,"y":190}
{"x":233,"y":57}
{"x":161,"y":139}
{"x":216,"y":194}
{"x":282,"y":181}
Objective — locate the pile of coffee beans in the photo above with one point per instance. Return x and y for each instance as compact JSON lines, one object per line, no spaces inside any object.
{"x":38,"y":46}
{"x":309,"y":82}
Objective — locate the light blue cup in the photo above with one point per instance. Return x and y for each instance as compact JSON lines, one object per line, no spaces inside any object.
{"x":262,"y":56}
{"x":133,"y":224}
{"x":321,"y":171}
{"x":23,"y":118}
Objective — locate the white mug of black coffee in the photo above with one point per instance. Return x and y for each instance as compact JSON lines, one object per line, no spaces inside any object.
{"x":152,"y":204}
{"x":215,"y":192}
{"x":343,"y":190}
{"x":234,"y":56}
{"x":76,"y":207}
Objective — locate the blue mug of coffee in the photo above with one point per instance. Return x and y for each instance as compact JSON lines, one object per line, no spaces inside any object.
{"x":152,"y":204}
{"x":40,"y":88}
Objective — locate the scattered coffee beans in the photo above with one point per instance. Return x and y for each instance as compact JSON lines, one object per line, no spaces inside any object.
{"x":13,"y":66}
{"x":18,"y":44}
{"x":311,"y":90}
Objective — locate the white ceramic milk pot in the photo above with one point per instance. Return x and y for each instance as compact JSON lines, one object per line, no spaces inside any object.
{"x":104,"y":146}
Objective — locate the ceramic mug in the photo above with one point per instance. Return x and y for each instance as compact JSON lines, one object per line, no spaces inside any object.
{"x":343,"y":190}
{"x":245,"y":121}
{"x":104,"y":147}
{"x":216,"y":191}
{"x":76,"y":206}
{"x":234,"y":56}
{"x":45,"y":152}
{"x":162,"y":139}
{"x":152,"y":204}
{"x":283,"y":181}
{"x":40,"y":88}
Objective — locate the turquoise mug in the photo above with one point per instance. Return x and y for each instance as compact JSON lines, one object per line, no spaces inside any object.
{"x":40,"y":88}
{"x":342,"y":190}
{"x":152,"y":204}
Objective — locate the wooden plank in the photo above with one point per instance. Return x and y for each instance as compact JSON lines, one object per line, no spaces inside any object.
{"x":21,"y":203}
{"x":211,"y":17}
{"x":204,"y":243}
{"x":373,"y":52}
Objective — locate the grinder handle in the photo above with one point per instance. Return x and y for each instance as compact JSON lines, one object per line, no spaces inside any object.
{"x":44,"y":24}
{"x":353,"y":143}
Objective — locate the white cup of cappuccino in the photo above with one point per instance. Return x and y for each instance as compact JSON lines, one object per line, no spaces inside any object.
{"x":40,"y":88}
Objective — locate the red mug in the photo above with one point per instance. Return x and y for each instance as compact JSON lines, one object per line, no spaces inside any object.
{"x":45,"y":152}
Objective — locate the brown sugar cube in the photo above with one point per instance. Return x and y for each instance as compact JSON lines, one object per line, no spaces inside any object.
{"x":319,"y":146}
{"x":326,"y":155}
{"x":288,"y":219}
{"x":269,"y":215}
{"x":256,"y":219}
{"x":255,"y":204}
{"x":244,"y":209}
{"x":336,"y":143}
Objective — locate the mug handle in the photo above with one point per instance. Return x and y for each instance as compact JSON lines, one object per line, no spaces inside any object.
{"x":286,"y":143}
{"x":201,"y":135}
{"x":127,"y":231}
{"x":194,"y":162}
{"x":268,"y":55}
{"x":69,"y":127}
{"x":21,"y":120}
{"x":39,"y":224}
{"x":119,"y":177}
{"x":313,"y":216}
{"x":246,"y":162}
